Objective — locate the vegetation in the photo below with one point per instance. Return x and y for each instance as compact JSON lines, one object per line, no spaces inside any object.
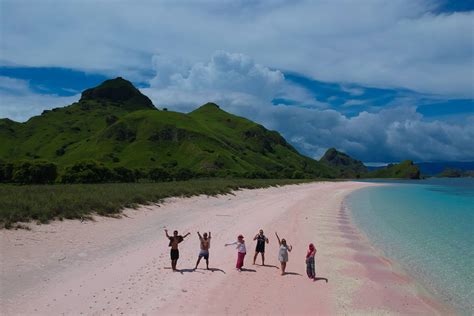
{"x":346,"y":166}
{"x":46,"y":202}
{"x":115,"y":134}
{"x":404,"y":170}
{"x":28,"y":172}
{"x":455,"y":173}
{"x":117,"y":126}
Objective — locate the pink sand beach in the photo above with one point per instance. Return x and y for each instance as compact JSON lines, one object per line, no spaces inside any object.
{"x":122,"y":266}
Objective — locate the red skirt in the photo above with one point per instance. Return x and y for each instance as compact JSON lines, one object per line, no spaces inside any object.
{"x":240,"y":260}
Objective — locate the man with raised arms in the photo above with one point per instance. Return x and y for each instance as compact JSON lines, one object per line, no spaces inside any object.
{"x":204,"y":252}
{"x":174,"y":241}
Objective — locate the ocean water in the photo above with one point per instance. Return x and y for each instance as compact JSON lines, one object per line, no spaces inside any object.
{"x":427,"y":227}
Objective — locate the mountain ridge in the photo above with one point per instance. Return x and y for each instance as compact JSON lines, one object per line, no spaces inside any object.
{"x":111,"y":128}
{"x":119,"y":127}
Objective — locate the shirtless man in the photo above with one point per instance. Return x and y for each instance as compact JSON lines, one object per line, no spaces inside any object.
{"x":174,"y":241}
{"x":205,"y":245}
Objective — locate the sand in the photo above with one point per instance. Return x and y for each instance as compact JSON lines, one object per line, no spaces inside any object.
{"x":122,"y":266}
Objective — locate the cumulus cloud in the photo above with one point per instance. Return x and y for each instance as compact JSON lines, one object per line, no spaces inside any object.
{"x":19,"y":102}
{"x":230,"y":78}
{"x":246,"y":88}
{"x":404,"y":43}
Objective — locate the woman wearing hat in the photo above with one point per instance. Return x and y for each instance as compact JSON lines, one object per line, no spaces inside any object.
{"x":241,"y":251}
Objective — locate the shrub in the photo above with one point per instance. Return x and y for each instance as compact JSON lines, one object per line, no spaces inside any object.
{"x":122,"y":174}
{"x":183,"y":174}
{"x":257,"y":175}
{"x":34,"y":172}
{"x":87,"y":172}
{"x":6,"y":172}
{"x":159,"y":175}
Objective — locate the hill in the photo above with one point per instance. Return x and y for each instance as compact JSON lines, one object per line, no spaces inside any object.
{"x":404,"y":170}
{"x":455,"y":173}
{"x":435,"y":168}
{"x":115,"y":124}
{"x":346,"y":166}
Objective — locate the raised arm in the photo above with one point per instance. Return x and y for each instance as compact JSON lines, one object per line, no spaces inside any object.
{"x":186,"y":235}
{"x":166,"y":232}
{"x":279,"y":241}
{"x":290,"y":247}
{"x":255,"y":238}
{"x":200,"y":237}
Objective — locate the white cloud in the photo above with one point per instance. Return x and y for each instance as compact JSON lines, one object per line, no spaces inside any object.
{"x":230,"y":78}
{"x":246,"y":88}
{"x":19,"y":102}
{"x":373,"y":43}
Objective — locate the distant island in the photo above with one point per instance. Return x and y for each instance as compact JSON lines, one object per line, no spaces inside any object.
{"x":114,"y":133}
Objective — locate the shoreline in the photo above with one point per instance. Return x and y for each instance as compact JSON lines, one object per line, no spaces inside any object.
{"x":122,"y":265}
{"x":421,"y":292}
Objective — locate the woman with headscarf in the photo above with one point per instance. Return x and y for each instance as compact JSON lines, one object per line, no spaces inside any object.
{"x":310,"y":268}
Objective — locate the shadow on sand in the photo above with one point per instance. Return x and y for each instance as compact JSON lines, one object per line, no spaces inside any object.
{"x":267,"y":266}
{"x":187,"y":270}
{"x":213,"y":270}
{"x":318,"y":279}
{"x":247,"y":270}
{"x":291,"y":273}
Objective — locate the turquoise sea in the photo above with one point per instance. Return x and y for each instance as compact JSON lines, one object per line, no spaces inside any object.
{"x":427,"y":227}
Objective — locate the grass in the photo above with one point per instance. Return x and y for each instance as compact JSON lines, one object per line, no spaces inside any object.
{"x":42,"y":203}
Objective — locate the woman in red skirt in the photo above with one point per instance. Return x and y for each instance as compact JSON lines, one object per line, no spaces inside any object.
{"x":241,"y":251}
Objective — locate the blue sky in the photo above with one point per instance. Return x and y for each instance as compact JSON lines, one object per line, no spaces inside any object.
{"x":382,"y":81}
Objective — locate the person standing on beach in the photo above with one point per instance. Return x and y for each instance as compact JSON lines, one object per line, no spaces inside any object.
{"x":260,"y":248}
{"x":283,"y":253}
{"x":241,"y":251}
{"x":174,"y":241}
{"x":204,"y":252}
{"x":310,"y":267}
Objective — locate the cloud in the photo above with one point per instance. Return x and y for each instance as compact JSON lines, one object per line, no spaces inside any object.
{"x":246,"y":88}
{"x":230,"y":78}
{"x":402,"y":44}
{"x":19,"y":102}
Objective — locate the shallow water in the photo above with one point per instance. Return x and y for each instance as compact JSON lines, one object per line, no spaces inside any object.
{"x":427,"y":226}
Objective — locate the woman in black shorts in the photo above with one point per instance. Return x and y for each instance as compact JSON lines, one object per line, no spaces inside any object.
{"x":260,"y":248}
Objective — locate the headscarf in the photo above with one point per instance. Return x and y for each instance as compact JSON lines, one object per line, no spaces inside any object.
{"x":310,"y":250}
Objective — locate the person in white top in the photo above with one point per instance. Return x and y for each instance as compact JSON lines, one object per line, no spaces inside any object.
{"x":241,"y":251}
{"x":283,"y":253}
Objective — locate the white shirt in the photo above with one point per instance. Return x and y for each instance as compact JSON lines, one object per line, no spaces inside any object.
{"x":240,"y":246}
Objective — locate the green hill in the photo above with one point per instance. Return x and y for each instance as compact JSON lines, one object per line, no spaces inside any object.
{"x":347,"y":166}
{"x":404,"y":170}
{"x":117,"y":125}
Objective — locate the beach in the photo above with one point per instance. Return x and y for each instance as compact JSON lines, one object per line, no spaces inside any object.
{"x":122,"y":266}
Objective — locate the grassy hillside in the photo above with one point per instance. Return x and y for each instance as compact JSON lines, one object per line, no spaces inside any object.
{"x":347,"y":166}
{"x":404,"y":170}
{"x":117,"y":125}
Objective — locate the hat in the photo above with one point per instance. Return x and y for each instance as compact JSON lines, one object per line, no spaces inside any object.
{"x":240,"y":236}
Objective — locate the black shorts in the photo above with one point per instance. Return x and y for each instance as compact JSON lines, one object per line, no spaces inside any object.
{"x":260,"y":248}
{"x":174,"y":253}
